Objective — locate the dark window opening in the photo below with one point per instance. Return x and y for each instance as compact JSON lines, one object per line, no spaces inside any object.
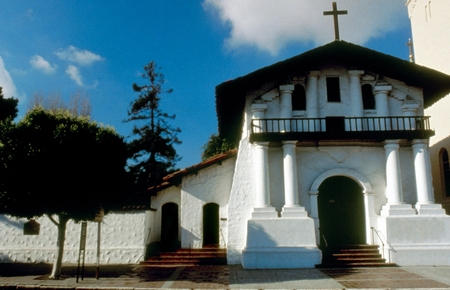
{"x":333,"y":89}
{"x":299,"y":98}
{"x":368,"y":98}
{"x":446,"y":172}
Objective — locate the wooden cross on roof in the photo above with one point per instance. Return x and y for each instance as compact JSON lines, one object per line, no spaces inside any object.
{"x":335,"y":14}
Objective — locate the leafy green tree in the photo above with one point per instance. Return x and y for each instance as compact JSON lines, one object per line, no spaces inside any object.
{"x":152,"y":149}
{"x":65,"y":167}
{"x":8,"y":107}
{"x":216,"y":145}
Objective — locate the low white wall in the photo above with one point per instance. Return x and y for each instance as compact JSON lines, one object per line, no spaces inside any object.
{"x":122,"y":240}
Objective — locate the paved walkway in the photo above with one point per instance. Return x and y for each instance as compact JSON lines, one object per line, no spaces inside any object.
{"x":229,"y":277}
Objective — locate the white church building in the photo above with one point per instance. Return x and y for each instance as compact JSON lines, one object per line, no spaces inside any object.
{"x":333,"y":150}
{"x":334,"y":147}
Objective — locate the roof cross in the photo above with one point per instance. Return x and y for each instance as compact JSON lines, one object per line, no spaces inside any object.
{"x":335,"y":14}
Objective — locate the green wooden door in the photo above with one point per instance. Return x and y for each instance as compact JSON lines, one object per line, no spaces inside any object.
{"x":341,"y":212}
{"x":211,"y":224}
{"x":169,"y":227}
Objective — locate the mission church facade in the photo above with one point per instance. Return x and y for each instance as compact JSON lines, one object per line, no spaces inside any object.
{"x":333,"y":149}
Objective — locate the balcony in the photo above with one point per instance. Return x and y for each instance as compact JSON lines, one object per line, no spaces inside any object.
{"x":341,"y":128}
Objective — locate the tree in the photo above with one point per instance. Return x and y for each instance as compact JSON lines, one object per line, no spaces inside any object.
{"x":79,"y":103}
{"x":8,"y":107}
{"x":65,"y":167}
{"x":152,"y":149}
{"x":216,"y":145}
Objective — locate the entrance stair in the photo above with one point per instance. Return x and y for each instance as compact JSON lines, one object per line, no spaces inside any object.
{"x":188,"y":257}
{"x":347,"y":256}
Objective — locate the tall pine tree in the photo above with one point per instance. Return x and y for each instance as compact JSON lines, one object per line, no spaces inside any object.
{"x":152,"y":146}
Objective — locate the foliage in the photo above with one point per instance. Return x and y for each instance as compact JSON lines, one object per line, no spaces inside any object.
{"x":152,"y":149}
{"x":216,"y":145}
{"x":79,"y":103}
{"x":8,"y":107}
{"x":56,"y":164}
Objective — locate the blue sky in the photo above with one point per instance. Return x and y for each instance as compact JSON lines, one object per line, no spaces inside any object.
{"x":99,"y":47}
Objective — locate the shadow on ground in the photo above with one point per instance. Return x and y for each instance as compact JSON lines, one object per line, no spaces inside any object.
{"x":42,"y":269}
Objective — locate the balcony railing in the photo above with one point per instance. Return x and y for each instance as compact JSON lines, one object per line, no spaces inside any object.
{"x":343,"y":127}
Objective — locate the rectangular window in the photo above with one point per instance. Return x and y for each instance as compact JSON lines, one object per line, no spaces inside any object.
{"x":333,"y":89}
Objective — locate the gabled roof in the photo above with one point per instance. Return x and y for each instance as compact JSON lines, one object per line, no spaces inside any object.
{"x":230,"y":95}
{"x":174,"y":179}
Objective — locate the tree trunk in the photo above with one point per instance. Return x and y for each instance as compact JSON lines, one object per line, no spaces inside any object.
{"x":56,"y":271}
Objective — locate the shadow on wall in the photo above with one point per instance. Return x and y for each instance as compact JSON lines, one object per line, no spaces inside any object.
{"x":191,"y":236}
{"x":5,"y":259}
{"x":152,"y":250}
{"x":11,"y":222}
{"x":258,"y":235}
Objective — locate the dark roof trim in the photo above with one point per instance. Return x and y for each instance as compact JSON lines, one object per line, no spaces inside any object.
{"x":174,"y":179}
{"x":230,"y":95}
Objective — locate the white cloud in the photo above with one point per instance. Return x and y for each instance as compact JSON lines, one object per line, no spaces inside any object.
{"x":78,"y":56}
{"x":270,"y":25}
{"x":6,"y":82}
{"x":74,"y":74}
{"x":39,"y":63}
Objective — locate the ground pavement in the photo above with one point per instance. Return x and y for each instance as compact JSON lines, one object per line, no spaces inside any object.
{"x":34,"y":276}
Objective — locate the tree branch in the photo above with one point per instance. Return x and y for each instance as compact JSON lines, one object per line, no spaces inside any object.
{"x":53,"y":220}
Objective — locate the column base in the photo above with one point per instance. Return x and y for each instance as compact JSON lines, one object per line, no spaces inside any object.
{"x":417,"y":240}
{"x":429,"y":209}
{"x":293,"y":212}
{"x":397,"y":210}
{"x":281,"y":243}
{"x":264,"y":213}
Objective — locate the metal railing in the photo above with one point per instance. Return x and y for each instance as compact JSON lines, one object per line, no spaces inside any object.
{"x":349,"y":124}
{"x":223,"y":237}
{"x":389,"y":246}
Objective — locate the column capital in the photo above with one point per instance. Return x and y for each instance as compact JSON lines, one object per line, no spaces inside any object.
{"x":314,"y":73}
{"x":419,"y":142}
{"x":382,"y":89}
{"x":287,"y":88}
{"x":391,"y":143}
{"x":259,"y":107}
{"x":261,"y":144}
{"x":290,"y":142}
{"x":355,"y":72}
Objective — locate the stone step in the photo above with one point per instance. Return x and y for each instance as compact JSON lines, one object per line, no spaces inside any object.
{"x":354,"y":256}
{"x":355,"y":265}
{"x":189,"y":257}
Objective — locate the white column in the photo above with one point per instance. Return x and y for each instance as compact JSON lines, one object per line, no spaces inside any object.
{"x":291,"y":207}
{"x":355,"y":92}
{"x":286,"y":101}
{"x":394,"y":190}
{"x":259,"y":112}
{"x":423,"y":179}
{"x":312,"y":94}
{"x":286,"y":106}
{"x":262,"y":207}
{"x":424,"y":187}
{"x":381,"y":93}
{"x":409,"y":109}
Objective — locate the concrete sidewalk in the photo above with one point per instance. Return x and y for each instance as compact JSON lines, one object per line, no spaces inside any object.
{"x":14,"y":276}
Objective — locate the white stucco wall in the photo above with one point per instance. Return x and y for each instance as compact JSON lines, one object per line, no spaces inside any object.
{"x":122,"y":240}
{"x":171,"y":194}
{"x":241,"y":202}
{"x":430,"y":23}
{"x":210,"y":185}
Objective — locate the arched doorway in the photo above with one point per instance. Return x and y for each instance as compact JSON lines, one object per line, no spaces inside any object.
{"x":169,"y":227}
{"x":341,"y":213}
{"x":211,"y":224}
